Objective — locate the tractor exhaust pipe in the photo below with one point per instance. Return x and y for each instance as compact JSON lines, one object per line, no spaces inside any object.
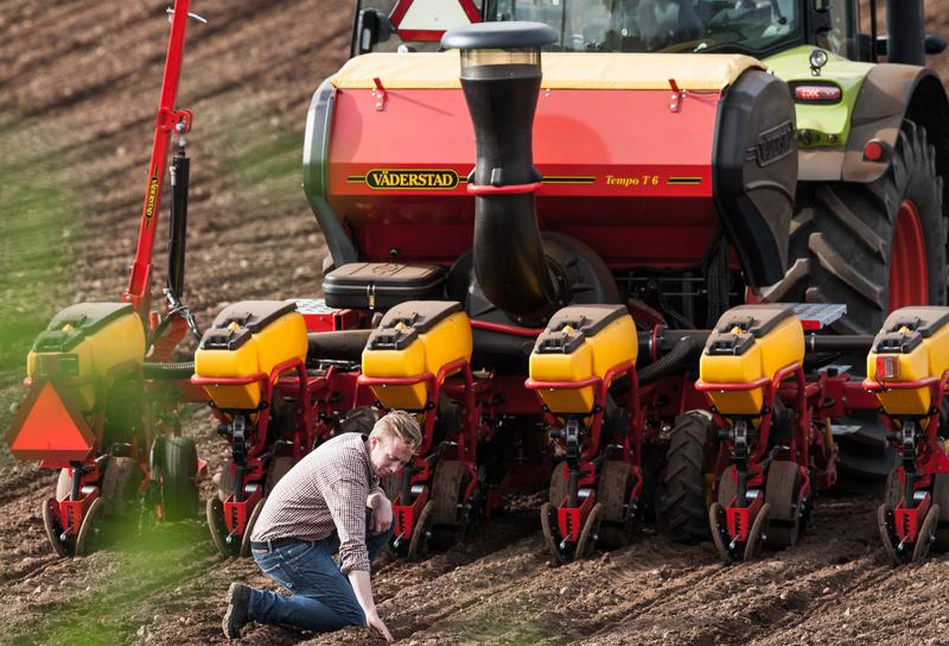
{"x":500,"y":76}
{"x":906,"y":37}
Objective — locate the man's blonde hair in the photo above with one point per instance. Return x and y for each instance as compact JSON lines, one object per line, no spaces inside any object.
{"x":401,"y":424}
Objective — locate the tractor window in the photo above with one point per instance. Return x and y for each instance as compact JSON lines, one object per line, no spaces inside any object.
{"x":745,"y":26}
{"x":842,"y":37}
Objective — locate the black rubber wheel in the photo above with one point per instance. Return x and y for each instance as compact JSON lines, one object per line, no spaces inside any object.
{"x":781,"y":490}
{"x":448,"y":490}
{"x":727,"y":487}
{"x":225,"y":480}
{"x":547,"y":524}
{"x":214,"y":512}
{"x":941,"y":498}
{"x":53,"y":529}
{"x":716,"y":521}
{"x":886,"y":535}
{"x":87,"y":539}
{"x":683,"y":489}
{"x":249,"y":527}
{"x":843,"y":232}
{"x":927,"y":534}
{"x":120,"y":485}
{"x":559,"y":486}
{"x":757,"y":533}
{"x":588,"y":534}
{"x":179,"y":468}
{"x":418,"y":545}
{"x":614,"y":486}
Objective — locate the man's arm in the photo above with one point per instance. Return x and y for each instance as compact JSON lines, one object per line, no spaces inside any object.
{"x":381,"y":511}
{"x":359,"y":579}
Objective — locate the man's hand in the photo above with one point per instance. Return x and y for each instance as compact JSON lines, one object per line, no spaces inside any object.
{"x":376,"y":624}
{"x":381,"y":513}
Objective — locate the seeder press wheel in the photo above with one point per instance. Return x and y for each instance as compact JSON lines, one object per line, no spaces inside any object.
{"x":421,"y":533}
{"x":54,"y":530}
{"x":781,"y":492}
{"x":90,"y":529}
{"x":214,"y":511}
{"x":589,"y":533}
{"x":616,"y":482}
{"x":925,"y":537}
{"x":734,"y":553}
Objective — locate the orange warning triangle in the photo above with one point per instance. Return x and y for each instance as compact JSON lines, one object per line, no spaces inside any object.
{"x":428,"y":20}
{"x":48,"y":428}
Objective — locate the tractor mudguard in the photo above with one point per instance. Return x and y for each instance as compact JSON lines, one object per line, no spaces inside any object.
{"x":889,"y":94}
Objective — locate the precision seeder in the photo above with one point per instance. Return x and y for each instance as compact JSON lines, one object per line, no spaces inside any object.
{"x":574,"y":274}
{"x":908,"y":368}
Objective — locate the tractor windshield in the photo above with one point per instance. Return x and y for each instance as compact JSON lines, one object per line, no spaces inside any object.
{"x":744,"y":26}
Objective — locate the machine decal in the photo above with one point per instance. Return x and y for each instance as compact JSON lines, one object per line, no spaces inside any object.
{"x":683,"y":181}
{"x":153,"y":186}
{"x":386,"y":178}
{"x":775,"y":144}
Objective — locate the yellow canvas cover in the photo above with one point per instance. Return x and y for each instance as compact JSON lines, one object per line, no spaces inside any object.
{"x":562,"y":71}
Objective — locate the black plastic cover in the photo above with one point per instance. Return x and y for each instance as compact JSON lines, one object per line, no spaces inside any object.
{"x":922,"y":323}
{"x":897,"y":342}
{"x":587,"y":321}
{"x":382,"y":285}
{"x":514,"y":34}
{"x":85,"y":318}
{"x":251,"y":316}
{"x":753,"y":321}
{"x":925,"y":320}
{"x":417,"y":317}
{"x":758,"y":320}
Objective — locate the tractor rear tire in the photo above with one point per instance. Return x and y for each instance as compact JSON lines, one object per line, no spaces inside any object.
{"x":842,"y":237}
{"x":179,"y":490}
{"x":683,"y":495}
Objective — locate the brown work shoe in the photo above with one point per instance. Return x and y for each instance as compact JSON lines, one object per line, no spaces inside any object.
{"x":238,"y":609}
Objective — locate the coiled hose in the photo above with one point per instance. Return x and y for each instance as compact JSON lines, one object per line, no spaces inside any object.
{"x":677,"y":357}
{"x":168,"y":371}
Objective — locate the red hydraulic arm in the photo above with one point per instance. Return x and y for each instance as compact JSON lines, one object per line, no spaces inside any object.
{"x":140,"y":280}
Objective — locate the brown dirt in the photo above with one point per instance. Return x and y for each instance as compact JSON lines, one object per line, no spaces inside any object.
{"x":78,"y":88}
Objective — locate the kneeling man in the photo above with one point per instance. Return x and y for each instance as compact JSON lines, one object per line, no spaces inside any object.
{"x":329,"y":501}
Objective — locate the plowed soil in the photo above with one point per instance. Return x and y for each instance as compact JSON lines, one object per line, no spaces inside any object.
{"x":79,"y":82}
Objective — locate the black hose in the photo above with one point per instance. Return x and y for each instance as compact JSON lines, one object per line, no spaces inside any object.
{"x":168,"y":371}
{"x":346,"y":345}
{"x":839,"y":343}
{"x":669,"y":363}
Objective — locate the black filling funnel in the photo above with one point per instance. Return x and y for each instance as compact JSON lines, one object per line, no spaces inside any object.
{"x":500,"y":76}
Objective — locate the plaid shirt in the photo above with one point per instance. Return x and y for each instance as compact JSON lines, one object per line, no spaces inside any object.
{"x":325,"y":492}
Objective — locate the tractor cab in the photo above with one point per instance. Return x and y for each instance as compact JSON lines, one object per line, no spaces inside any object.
{"x":755,"y":27}
{"x":759,"y":28}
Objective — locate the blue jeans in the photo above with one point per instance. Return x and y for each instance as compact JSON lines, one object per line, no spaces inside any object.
{"x":322,"y":598}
